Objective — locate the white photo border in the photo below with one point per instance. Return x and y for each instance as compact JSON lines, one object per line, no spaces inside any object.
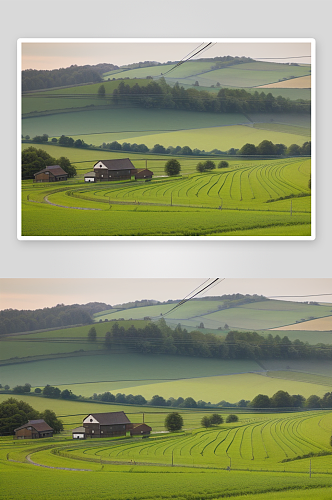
{"x":310,"y":41}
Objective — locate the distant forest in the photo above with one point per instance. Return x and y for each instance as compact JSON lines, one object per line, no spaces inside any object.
{"x":158,"y":94}
{"x":13,"y":320}
{"x":33,"y":79}
{"x":158,"y":338}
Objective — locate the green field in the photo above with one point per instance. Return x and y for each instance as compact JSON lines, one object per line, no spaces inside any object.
{"x":242,"y":197}
{"x":245,"y":458}
{"x":251,"y":74}
{"x":259,"y":315}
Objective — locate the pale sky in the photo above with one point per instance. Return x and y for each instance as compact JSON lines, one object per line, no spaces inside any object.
{"x":36,"y":293}
{"x":61,"y":54}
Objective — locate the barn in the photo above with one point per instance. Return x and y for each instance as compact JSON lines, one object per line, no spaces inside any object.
{"x":114,"y":170}
{"x":54,"y":173}
{"x":144,"y":173}
{"x":106,"y":424}
{"x":34,"y":429}
{"x":140,"y":430}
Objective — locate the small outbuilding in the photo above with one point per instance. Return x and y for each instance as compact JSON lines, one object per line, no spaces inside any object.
{"x":90,"y":177}
{"x":54,"y":173}
{"x":140,"y":430}
{"x":144,"y":173}
{"x":78,"y":433}
{"x":34,"y":429}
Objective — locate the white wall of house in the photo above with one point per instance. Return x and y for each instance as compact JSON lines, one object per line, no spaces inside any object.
{"x":89,"y":179}
{"x":100,"y":165}
{"x":90,"y":420}
{"x":78,"y":435}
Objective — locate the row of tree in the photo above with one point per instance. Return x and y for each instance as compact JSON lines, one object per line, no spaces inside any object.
{"x":264,"y":148}
{"x":14,"y":413}
{"x":158,"y":94}
{"x":158,"y":338}
{"x":267,"y":148}
{"x":13,"y":320}
{"x":283,"y":399}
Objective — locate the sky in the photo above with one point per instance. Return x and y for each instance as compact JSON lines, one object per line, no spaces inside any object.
{"x":61,"y":54}
{"x":37,"y":293}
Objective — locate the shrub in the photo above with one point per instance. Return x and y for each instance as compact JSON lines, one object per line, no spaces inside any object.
{"x":231,"y":418}
{"x":173,"y":422}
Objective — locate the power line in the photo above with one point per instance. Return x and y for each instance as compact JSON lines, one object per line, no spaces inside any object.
{"x":312,"y":295}
{"x":183,"y":301}
{"x":183,"y":61}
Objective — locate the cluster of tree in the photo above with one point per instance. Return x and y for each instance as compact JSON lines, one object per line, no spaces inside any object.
{"x":33,"y":79}
{"x":34,"y":160}
{"x":216,"y":419}
{"x":14,"y":413}
{"x":267,"y":148}
{"x":54,"y":392}
{"x":158,"y":338}
{"x":283,"y":399}
{"x":13,"y":320}
{"x":210,"y":165}
{"x":161,"y":95}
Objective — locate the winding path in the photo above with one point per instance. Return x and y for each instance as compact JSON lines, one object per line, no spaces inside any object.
{"x":28,"y":457}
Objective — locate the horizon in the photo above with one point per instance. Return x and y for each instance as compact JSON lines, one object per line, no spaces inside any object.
{"x":49,"y":55}
{"x":38,"y":293}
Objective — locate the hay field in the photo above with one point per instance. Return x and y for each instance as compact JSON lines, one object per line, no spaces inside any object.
{"x":302,"y":82}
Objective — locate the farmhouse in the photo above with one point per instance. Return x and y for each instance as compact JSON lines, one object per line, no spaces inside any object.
{"x":114,"y":170}
{"x":53,"y":173}
{"x":106,"y":424}
{"x":109,"y":425}
{"x":144,"y":173}
{"x":34,"y":429}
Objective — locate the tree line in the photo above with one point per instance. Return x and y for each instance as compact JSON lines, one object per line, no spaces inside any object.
{"x":14,"y":321}
{"x":33,"y":79}
{"x":264,"y":148}
{"x":281,"y":399}
{"x":158,"y":94}
{"x":158,"y":338}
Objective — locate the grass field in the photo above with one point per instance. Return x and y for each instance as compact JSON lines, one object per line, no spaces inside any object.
{"x":244,"y":196}
{"x":256,"y":316}
{"x":249,"y":74}
{"x":231,"y":459}
{"x":205,"y":131}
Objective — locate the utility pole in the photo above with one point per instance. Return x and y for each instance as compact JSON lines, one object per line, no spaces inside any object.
{"x":143,"y":417}
{"x":172,"y":458}
{"x":310,"y":468}
{"x":291,"y":208}
{"x":171,"y":199}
